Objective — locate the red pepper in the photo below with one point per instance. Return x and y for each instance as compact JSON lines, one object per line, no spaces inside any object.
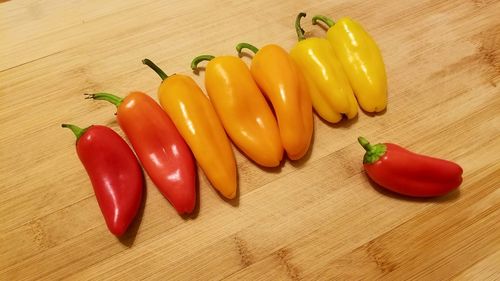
{"x":114,"y":172}
{"x":162,"y":150}
{"x":408,"y":173}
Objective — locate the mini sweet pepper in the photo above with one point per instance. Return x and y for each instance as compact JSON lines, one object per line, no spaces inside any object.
{"x":242,"y":109}
{"x":361,"y":59}
{"x":197,"y":121}
{"x":159,"y":146}
{"x":284,"y":85}
{"x":329,"y":87}
{"x":402,"y":171}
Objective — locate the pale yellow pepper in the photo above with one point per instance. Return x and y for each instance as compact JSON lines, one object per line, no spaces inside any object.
{"x":361,"y":60}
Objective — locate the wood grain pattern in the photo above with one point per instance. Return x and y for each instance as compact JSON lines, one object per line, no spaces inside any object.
{"x":315,"y":219}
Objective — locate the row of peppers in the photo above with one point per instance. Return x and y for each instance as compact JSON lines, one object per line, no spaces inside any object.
{"x":330,"y":75}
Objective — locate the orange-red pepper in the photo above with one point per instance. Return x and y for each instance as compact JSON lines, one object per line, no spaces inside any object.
{"x":284,"y":85}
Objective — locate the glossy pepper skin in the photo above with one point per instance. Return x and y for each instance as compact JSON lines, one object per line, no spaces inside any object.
{"x":408,"y":173}
{"x":159,"y":146}
{"x":284,"y":85}
{"x":197,"y":121}
{"x":329,"y":87}
{"x":114,"y":172}
{"x":362,"y":61}
{"x":242,"y":109}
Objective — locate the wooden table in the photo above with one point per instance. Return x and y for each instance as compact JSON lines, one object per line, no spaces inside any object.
{"x":315,"y":219}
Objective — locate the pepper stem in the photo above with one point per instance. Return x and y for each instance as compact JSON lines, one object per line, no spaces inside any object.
{"x":75,"y":129}
{"x":373,"y":152}
{"x":153,"y":66}
{"x":298,"y":28}
{"x":365,"y":144}
{"x":328,"y":21}
{"x":241,"y":46}
{"x":198,"y":59}
{"x":107,"y":97}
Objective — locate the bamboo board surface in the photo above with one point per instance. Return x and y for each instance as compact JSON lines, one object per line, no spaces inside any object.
{"x":315,"y":219}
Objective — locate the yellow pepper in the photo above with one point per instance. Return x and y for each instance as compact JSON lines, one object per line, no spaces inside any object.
{"x":197,"y":122}
{"x":283,"y":83}
{"x":361,"y":59}
{"x":329,"y":87}
{"x":242,"y":109}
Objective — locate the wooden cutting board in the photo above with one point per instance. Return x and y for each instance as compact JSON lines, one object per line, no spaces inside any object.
{"x":315,"y":219}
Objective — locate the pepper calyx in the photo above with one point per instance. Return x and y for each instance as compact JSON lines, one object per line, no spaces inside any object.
{"x":373,"y":152}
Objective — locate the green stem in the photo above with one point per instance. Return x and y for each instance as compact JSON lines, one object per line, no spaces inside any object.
{"x":373,"y":152}
{"x":298,"y":29}
{"x":75,"y":129}
{"x":365,"y":144}
{"x":241,"y":46}
{"x":198,"y":59}
{"x":328,"y":21}
{"x":107,"y":97}
{"x":153,"y":66}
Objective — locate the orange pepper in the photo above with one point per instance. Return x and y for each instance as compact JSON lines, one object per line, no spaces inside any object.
{"x":242,"y":108}
{"x":196,"y":120}
{"x":284,"y":85}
